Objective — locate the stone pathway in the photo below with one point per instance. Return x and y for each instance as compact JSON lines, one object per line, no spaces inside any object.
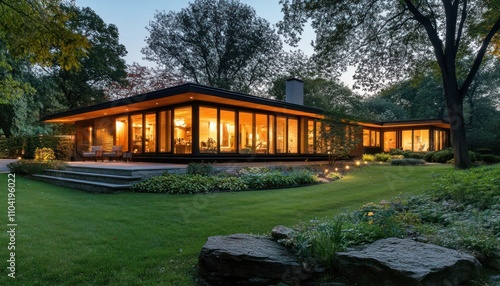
{"x":3,"y":165}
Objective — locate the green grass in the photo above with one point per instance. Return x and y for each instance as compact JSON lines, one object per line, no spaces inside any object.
{"x":70,"y":237}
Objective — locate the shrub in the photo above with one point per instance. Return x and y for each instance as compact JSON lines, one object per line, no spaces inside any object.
{"x":203,"y":169}
{"x":407,"y":162}
{"x":382,"y":157}
{"x":368,"y":157}
{"x":414,"y":155}
{"x":442,"y":156}
{"x":490,"y":158}
{"x":394,"y":151}
{"x":31,"y":167}
{"x":477,"y":186}
{"x":44,"y":154}
{"x":428,"y":156}
{"x":175,"y":184}
{"x":472,"y":156}
{"x":230,"y":183}
{"x":276,"y":178}
{"x":334,"y":176}
{"x":319,"y":242}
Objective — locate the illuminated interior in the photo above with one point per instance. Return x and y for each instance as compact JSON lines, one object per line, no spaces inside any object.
{"x":165,"y":128}
{"x":150,"y":133}
{"x":293,"y":138}
{"x":371,"y":138}
{"x":227,"y":131}
{"x":390,"y":140}
{"x":415,"y":140}
{"x":245,"y":132}
{"x":183,"y":118}
{"x":136,"y":133}
{"x":261,"y":131}
{"x":280,"y":135}
{"x":121,"y":136}
{"x":208,"y":130}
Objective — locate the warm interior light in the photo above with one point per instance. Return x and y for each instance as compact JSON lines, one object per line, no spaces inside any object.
{"x":180,"y":122}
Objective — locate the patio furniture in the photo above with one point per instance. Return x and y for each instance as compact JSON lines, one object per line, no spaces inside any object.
{"x":127,"y":156}
{"x":115,"y":153}
{"x":95,"y":153}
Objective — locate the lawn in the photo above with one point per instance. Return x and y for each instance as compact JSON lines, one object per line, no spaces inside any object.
{"x":70,"y":237}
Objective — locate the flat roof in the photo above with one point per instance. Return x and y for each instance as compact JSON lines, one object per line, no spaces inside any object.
{"x":188,"y":92}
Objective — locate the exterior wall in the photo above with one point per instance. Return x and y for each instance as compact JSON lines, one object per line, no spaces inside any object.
{"x":104,"y":132}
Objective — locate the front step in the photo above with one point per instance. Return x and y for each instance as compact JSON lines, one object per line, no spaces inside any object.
{"x":104,"y":178}
{"x":89,"y":186}
{"x":95,"y":177}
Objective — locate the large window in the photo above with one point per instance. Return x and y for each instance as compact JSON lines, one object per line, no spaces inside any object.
{"x":280,"y":135}
{"x":137,"y":133}
{"x":208,"y":130}
{"x":150,"y":132}
{"x":182,"y":130}
{"x":371,"y":138}
{"x":293,"y":135}
{"x":389,"y":140}
{"x":246,"y":132}
{"x":122,"y":132}
{"x":261,"y":131}
{"x":227,"y":137}
{"x":421,"y":140}
{"x":271,"y":134}
{"x":439,"y":140}
{"x":165,"y":127}
{"x":415,"y":140}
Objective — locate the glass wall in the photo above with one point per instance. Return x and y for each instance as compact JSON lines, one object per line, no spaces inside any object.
{"x":281,"y":135}
{"x":421,"y":140}
{"x":261,"y":133}
{"x":293,"y":135}
{"x":271,"y":137}
{"x":389,"y":140}
{"x":182,"y":130}
{"x":246,"y":132}
{"x":406,"y":140}
{"x":150,"y":132}
{"x":227,"y":136}
{"x":208,"y":130}
{"x":439,"y":140}
{"x":371,"y":138}
{"x":121,"y":135}
{"x":165,"y":128}
{"x":136,"y":133}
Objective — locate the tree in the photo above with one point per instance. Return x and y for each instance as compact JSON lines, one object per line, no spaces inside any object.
{"x":338,"y":135}
{"x":102,"y":66}
{"x":386,"y":39}
{"x":218,"y":43}
{"x":141,"y":79}
{"x":36,"y":31}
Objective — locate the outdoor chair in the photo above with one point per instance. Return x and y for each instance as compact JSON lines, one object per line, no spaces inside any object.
{"x":94,"y":153}
{"x":115,"y":153}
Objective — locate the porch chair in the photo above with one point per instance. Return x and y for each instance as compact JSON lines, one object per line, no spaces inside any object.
{"x":115,"y":153}
{"x":95,"y":153}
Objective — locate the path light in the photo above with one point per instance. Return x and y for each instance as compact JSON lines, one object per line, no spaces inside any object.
{"x":19,"y":158}
{"x":336,"y":169}
{"x":347,"y":167}
{"x":358,"y":163}
{"x":326,"y":171}
{"x":366,"y":162}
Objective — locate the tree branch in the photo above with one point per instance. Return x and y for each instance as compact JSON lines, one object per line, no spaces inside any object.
{"x":461,"y":25}
{"x":479,"y":58}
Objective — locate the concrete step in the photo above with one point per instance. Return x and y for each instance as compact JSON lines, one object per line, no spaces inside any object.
{"x":96,"y":176}
{"x":89,"y":186}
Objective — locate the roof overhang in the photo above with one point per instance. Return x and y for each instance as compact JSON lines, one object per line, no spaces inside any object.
{"x":178,"y":95}
{"x":440,"y":123}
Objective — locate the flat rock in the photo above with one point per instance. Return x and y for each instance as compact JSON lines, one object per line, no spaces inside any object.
{"x":281,"y":232}
{"x":242,"y":259}
{"x":395,"y":261}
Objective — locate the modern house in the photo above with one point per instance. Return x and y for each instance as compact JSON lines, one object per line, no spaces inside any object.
{"x":192,"y":122}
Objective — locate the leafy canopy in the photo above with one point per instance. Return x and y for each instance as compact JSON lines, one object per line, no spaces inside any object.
{"x":38,"y":30}
{"x":218,"y":43}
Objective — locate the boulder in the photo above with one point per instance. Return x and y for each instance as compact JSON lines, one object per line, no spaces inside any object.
{"x":395,"y":261}
{"x":281,"y":232}
{"x":242,"y":259}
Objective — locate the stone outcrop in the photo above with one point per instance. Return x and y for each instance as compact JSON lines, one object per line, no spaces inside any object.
{"x":395,"y":261}
{"x":243,"y":259}
{"x":281,"y":232}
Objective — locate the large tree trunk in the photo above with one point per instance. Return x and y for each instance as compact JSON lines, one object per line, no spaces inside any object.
{"x":455,"y":108}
